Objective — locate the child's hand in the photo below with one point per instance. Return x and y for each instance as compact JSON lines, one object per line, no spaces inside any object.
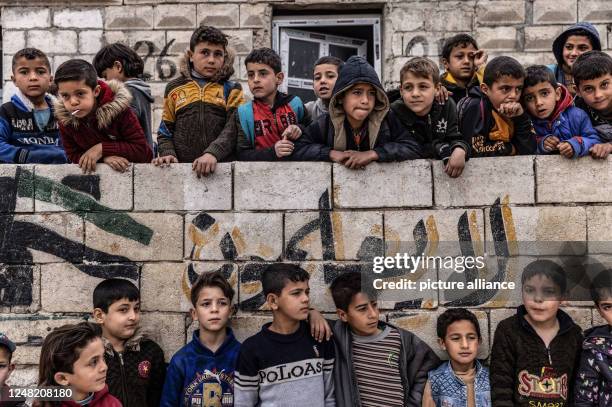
{"x":566,"y":150}
{"x":319,"y":328}
{"x":551,"y":143}
{"x":456,"y":163}
{"x":480,"y":58}
{"x":284,"y":147}
{"x":88,"y":161}
{"x":511,"y":109}
{"x":601,"y":151}
{"x":164,"y":161}
{"x":338,"y":156}
{"x":117,"y":163}
{"x":359,"y":159}
{"x":442,"y":95}
{"x":204,"y":165}
{"x":292,"y":132}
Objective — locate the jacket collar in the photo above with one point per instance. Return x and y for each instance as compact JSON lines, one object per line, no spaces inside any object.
{"x":114,"y":98}
{"x":23,"y":102}
{"x":229,"y":339}
{"x":132,"y":344}
{"x":565,"y":321}
{"x":224,"y":74}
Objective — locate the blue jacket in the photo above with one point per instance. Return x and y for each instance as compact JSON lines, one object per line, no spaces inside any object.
{"x":197,"y":376}
{"x":449,"y":391}
{"x":568,"y":123}
{"x":21,"y":141}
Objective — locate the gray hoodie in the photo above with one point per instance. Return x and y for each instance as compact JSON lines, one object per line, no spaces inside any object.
{"x":141,"y":103}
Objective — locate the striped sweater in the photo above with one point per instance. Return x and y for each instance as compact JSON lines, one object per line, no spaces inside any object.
{"x":284,"y":370}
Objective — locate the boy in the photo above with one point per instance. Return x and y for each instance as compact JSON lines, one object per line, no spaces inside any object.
{"x":459,"y":335}
{"x":492,"y":116}
{"x":593,"y":75}
{"x":568,"y":46}
{"x":268,"y":126}
{"x":434,"y":125}
{"x":95,"y":119}
{"x":535,"y":352}
{"x":136,"y":366}
{"x":369,"y":350}
{"x":325,"y":74}
{"x":202,"y":372}
{"x":120,"y":62}
{"x":559,"y":126}
{"x":7,"y":347}
{"x":198,"y":123}
{"x":359,"y":127}
{"x":283,"y":365}
{"x":28,"y":130}
{"x":464,"y":64}
{"x":594,"y":378}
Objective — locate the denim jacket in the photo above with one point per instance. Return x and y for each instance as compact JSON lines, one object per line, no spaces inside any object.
{"x":449,"y":391}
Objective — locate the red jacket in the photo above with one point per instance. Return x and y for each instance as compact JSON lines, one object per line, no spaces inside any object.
{"x":112,"y":123}
{"x":101,"y":399}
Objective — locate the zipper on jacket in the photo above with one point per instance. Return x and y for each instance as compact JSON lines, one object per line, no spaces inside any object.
{"x":123,"y":384}
{"x":548,"y":353}
{"x":201,"y":115}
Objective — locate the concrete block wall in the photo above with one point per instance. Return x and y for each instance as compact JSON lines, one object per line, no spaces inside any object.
{"x":160,"y":30}
{"x":62,"y":232}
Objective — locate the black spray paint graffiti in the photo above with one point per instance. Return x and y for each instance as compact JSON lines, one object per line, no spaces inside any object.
{"x":166,"y":68}
{"x":78,"y":194}
{"x":419,"y":45}
{"x":371,"y":246}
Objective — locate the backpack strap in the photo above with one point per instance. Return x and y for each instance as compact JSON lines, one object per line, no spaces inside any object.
{"x":298,"y":107}
{"x":227,"y":88}
{"x":245,"y":114}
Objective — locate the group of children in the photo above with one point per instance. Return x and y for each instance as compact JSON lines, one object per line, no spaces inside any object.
{"x":474,"y":109}
{"x":539,"y":356}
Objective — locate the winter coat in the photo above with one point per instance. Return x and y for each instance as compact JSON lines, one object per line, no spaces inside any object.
{"x":101,"y":398}
{"x":602,"y":125}
{"x":199,"y":119}
{"x":141,"y":103}
{"x":594,"y":376}
{"x":111,"y":123}
{"x":21,"y":141}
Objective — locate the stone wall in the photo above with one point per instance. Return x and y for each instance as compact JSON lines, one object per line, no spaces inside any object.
{"x":61,"y":232}
{"x":160,"y":30}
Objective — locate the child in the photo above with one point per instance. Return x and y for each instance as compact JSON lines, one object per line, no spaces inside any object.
{"x":535,"y":352}
{"x":198,"y":123}
{"x":136,"y":366}
{"x":434,"y":125}
{"x":368,"y":350}
{"x":95,"y":119}
{"x":268,"y":126}
{"x":593,"y":76}
{"x":569,"y":45}
{"x":492,"y":116}
{"x":73,"y":355}
{"x":359,"y":127}
{"x":464,"y":65}
{"x":325,"y":74}
{"x":28,"y":130}
{"x":202,"y":372}
{"x":462,"y":381}
{"x":7,"y":348}
{"x":120,"y":62}
{"x":594,"y":378}
{"x":283,"y":365}
{"x":559,"y":126}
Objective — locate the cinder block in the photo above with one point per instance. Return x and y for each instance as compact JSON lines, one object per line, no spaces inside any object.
{"x":554,"y":12}
{"x":404,"y":184}
{"x":20,"y":287}
{"x":17,"y":186}
{"x":500,"y":12}
{"x":233,"y":236}
{"x":281,"y":185}
{"x":599,"y":220}
{"x":590,"y":179}
{"x":25,"y":18}
{"x":168,"y":330}
{"x":69,"y":288}
{"x":178,"y":188}
{"x":53,"y":41}
{"x":540,"y":38}
{"x":75,"y":18}
{"x":128,"y":17}
{"x":219,"y":15}
{"x":66,"y":188}
{"x":255,"y":15}
{"x":497,"y":38}
{"x":175,"y":16}
{"x":148,"y":44}
{"x":13,"y":41}
{"x":90,"y":42}
{"x":595,"y":11}
{"x":484,"y":180}
{"x":240,"y":40}
{"x":245,"y":326}
{"x":333,"y":235}
{"x":406,"y":17}
{"x":166,"y":286}
{"x":137,"y":236}
{"x":24,"y":376}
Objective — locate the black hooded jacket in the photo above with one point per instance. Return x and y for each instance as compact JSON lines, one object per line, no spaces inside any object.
{"x":385,"y":134}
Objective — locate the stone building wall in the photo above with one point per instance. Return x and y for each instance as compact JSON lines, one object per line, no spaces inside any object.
{"x":62,"y":232}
